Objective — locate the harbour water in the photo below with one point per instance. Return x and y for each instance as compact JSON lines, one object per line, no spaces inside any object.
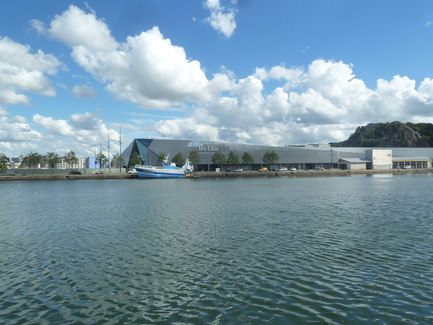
{"x":318,"y":250}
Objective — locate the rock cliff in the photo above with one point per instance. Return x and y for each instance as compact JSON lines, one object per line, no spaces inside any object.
{"x":393,"y":134}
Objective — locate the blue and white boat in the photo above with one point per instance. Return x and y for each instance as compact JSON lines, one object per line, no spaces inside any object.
{"x":165,"y":171}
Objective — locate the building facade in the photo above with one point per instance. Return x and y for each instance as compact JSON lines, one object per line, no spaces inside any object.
{"x":303,"y":157}
{"x":62,"y":164}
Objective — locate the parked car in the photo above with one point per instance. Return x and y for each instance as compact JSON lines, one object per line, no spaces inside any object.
{"x":282,"y":169}
{"x":293,"y":169}
{"x":238,"y":170}
{"x":99,"y":172}
{"x":74,"y":172}
{"x":264,"y":169}
{"x":132,"y":171}
{"x":320,"y":168}
{"x":273,"y":169}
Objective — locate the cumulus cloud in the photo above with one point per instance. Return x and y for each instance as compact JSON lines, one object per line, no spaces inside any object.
{"x":77,"y":29}
{"x":221,"y":19}
{"x":22,"y":71}
{"x":83,"y":91}
{"x":87,"y":121}
{"x":322,"y":103}
{"x":16,"y":133}
{"x":85,"y":131}
{"x":146,"y":69}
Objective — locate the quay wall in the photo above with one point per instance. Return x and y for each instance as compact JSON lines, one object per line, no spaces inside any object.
{"x":310,"y":173}
{"x":297,"y":173}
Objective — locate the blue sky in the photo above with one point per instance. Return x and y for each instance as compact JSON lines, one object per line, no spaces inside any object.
{"x":265,"y":72}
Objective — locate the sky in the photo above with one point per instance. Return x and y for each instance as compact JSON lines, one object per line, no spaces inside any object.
{"x":93,"y":75}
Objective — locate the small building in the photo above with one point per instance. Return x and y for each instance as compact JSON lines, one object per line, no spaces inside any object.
{"x":352,"y":164}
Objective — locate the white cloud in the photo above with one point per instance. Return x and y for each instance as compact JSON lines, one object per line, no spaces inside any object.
{"x":324,"y":103}
{"x":56,"y":127}
{"x":16,"y":130}
{"x":22,"y":71}
{"x":38,"y":25}
{"x":147,"y":69}
{"x":87,"y":121}
{"x":77,"y":29}
{"x":278,"y":105}
{"x":222,"y":19}
{"x":81,"y":133}
{"x":83,"y":91}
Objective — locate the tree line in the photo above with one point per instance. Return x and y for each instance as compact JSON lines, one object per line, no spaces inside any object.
{"x":270,"y":157}
{"x":51,"y":159}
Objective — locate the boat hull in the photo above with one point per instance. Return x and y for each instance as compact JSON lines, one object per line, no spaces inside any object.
{"x":159,"y":173}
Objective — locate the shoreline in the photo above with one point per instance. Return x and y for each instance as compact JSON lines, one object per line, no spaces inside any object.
{"x":297,"y":173}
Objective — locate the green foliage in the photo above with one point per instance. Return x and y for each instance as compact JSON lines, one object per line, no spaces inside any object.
{"x":247,"y":159}
{"x":162,"y":157}
{"x":3,"y":161}
{"x":71,"y":158}
{"x":233,"y":159}
{"x":52,"y":159}
{"x":32,"y":160}
{"x":118,"y":160}
{"x":391,"y":134}
{"x":270,"y":157}
{"x":101,"y":159}
{"x":194,"y":157}
{"x":218,"y":159}
{"x":135,"y":159}
{"x":179,"y":159}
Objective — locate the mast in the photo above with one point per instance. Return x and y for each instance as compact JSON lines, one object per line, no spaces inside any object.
{"x":120,"y":145}
{"x":109,"y":164}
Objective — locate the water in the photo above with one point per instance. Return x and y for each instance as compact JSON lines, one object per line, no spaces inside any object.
{"x":324,"y":250}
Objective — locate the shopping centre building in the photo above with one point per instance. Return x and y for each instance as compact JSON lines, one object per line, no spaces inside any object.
{"x":301,"y":157}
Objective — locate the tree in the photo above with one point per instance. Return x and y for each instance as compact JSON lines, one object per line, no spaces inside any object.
{"x":194,"y":158}
{"x":101,"y":159}
{"x":134,"y":160}
{"x":218,"y":159}
{"x":179,"y":159}
{"x":3,"y":161}
{"x":162,"y":157}
{"x":32,"y":160}
{"x":52,"y":159}
{"x":247,"y":159}
{"x":233,"y":159}
{"x":270,"y":157}
{"x":118,"y":160}
{"x":71,"y":158}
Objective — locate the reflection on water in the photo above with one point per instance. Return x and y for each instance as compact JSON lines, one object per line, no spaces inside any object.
{"x":336,"y":250}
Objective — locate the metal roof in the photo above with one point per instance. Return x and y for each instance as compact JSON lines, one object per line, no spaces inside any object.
{"x":355,"y":160}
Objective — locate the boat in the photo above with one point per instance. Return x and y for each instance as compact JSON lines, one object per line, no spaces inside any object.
{"x":167,"y":170}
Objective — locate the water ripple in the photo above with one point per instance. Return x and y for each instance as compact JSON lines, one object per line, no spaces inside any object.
{"x":251,"y":251}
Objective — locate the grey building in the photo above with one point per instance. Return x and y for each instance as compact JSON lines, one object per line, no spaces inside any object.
{"x":302,"y":157}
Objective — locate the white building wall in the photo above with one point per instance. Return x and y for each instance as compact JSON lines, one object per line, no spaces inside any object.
{"x":380,"y":158}
{"x":63,"y":165}
{"x":353,"y":166}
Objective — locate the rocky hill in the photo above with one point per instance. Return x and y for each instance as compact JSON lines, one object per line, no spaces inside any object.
{"x":394,"y":134}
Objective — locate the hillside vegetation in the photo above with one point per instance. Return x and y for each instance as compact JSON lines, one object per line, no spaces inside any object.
{"x":393,"y":134}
